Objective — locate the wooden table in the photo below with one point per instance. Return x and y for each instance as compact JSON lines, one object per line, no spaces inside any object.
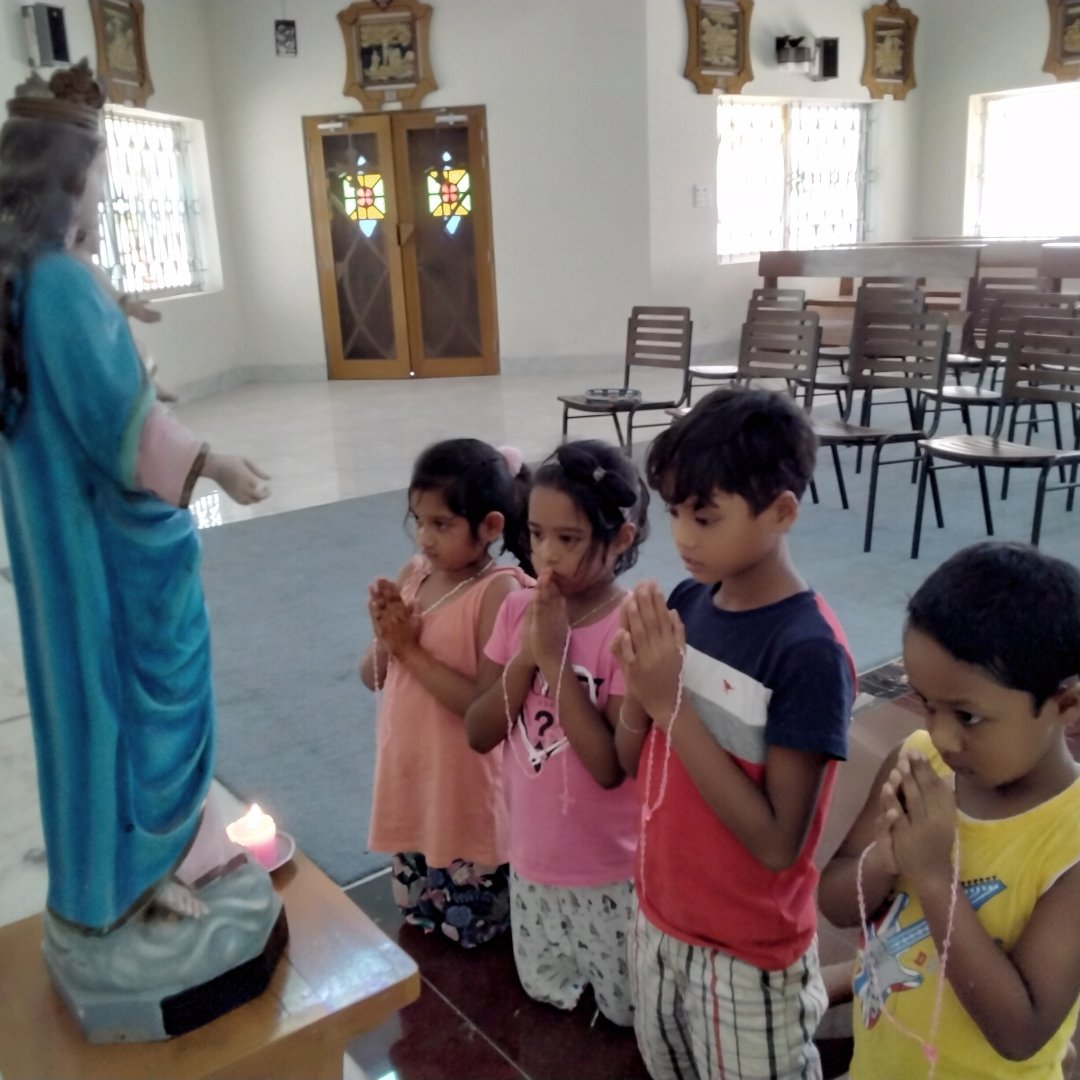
{"x":340,"y":976}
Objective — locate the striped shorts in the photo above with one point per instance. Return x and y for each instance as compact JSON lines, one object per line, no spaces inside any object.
{"x":700,"y":1013}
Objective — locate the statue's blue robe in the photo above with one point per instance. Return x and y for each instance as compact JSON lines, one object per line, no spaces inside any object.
{"x":114,"y":627}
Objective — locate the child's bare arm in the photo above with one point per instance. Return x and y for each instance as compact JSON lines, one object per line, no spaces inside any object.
{"x":377,"y":651}
{"x":632,"y":724}
{"x":770,"y":822}
{"x":1018,"y":999}
{"x":590,"y":734}
{"x":485,"y":720}
{"x":838,"y":892}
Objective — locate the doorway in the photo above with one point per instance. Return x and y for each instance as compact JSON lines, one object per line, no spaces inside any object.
{"x":401,"y":214}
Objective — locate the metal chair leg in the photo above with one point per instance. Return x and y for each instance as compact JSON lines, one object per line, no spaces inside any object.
{"x":813,"y":492}
{"x":618,"y":430}
{"x":986,"y":500}
{"x":565,"y":420}
{"x":839,"y":475}
{"x":875,"y":464}
{"x":935,"y":494}
{"x":920,"y":501}
{"x":1040,"y":496}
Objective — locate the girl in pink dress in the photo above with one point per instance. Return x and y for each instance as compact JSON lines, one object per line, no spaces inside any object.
{"x":437,"y":805}
{"x":550,"y":689}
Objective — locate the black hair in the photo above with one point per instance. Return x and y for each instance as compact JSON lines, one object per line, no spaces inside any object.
{"x":1008,"y":608}
{"x":474,"y":479}
{"x":753,"y":443}
{"x":43,"y":170}
{"x":605,"y":485}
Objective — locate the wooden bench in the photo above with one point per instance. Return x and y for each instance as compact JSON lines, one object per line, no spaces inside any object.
{"x":340,"y":976}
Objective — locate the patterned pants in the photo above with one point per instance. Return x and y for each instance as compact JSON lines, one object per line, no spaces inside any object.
{"x":702,"y":1013}
{"x":567,"y":938}
{"x":469,"y":904}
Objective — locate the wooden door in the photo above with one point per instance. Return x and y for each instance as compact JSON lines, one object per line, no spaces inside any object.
{"x":354,"y":215}
{"x":402,"y":221}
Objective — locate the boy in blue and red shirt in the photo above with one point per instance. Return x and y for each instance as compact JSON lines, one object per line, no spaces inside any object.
{"x":739,"y":692}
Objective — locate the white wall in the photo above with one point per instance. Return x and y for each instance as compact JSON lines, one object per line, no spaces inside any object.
{"x":596,"y":141}
{"x":682,"y":152}
{"x":975,"y":47}
{"x":562,"y":83}
{"x":199,"y":339}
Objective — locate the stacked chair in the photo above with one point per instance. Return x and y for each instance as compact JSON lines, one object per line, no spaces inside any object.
{"x":891,"y":350}
{"x":761,"y":300}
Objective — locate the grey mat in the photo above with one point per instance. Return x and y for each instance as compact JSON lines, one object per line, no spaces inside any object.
{"x":287,"y":604}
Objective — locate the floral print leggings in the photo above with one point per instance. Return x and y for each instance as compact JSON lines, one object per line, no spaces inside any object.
{"x":466,"y":902}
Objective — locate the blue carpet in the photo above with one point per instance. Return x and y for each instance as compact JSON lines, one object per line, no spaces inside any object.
{"x":287,"y":597}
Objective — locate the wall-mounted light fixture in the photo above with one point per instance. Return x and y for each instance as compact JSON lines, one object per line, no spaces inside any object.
{"x":794,"y":54}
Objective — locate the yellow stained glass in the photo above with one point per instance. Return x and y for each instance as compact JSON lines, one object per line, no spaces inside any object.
{"x":365,"y":196}
{"x":448,"y":192}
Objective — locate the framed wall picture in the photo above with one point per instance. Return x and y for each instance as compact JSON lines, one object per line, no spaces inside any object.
{"x":889,"y":67}
{"x":1063,"y":52}
{"x":386,"y":49}
{"x":285,"y":37}
{"x":718,"y":53}
{"x":121,"y":50}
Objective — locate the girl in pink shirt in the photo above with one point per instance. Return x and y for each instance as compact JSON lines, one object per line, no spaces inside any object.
{"x":437,"y":805}
{"x":549,"y":688}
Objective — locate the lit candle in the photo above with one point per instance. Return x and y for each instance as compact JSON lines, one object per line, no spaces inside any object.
{"x":257,"y":832}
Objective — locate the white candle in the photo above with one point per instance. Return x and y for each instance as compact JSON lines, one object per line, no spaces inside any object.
{"x":257,"y":832}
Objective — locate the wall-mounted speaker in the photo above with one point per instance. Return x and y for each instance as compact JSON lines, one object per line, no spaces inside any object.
{"x":828,"y":58}
{"x":46,"y":35}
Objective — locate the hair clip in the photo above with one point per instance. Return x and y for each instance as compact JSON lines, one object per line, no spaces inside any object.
{"x":514,"y":458}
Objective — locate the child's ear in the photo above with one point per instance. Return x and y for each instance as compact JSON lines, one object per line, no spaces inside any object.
{"x":1067,"y":699}
{"x":785,"y":509}
{"x":491,"y":526}
{"x":624,"y":537}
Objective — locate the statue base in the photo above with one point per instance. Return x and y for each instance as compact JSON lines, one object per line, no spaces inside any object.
{"x":158,"y":975}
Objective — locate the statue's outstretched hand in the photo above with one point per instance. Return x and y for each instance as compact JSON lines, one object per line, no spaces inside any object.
{"x":243,"y":481}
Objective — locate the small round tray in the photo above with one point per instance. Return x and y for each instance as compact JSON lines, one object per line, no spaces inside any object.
{"x":286,"y":848}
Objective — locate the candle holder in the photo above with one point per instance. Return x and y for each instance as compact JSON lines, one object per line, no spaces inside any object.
{"x":257,"y":833}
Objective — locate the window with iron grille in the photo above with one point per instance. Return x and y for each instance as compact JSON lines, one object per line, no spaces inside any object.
{"x":1023,"y":161}
{"x":789,"y":175}
{"x":148,"y":234}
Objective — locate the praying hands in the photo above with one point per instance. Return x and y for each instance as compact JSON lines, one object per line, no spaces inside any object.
{"x":649,"y":648}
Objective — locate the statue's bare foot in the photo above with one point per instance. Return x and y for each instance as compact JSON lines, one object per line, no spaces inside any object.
{"x":175,"y":898}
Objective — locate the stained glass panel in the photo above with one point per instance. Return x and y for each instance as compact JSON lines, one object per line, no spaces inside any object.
{"x":448,"y":192}
{"x":356,"y":192}
{"x":445,"y":242}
